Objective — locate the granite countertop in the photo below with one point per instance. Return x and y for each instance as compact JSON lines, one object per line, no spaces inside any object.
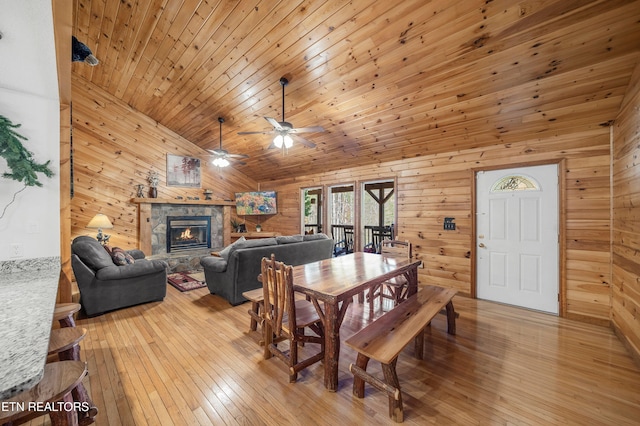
{"x":27,"y":300}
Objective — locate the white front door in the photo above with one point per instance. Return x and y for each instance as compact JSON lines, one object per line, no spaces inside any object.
{"x":517,"y":237}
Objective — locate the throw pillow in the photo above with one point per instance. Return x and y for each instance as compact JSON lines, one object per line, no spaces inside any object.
{"x":224,"y":253}
{"x":121,"y":257}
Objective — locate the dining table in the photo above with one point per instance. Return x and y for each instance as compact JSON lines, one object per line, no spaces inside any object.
{"x":331,"y":285}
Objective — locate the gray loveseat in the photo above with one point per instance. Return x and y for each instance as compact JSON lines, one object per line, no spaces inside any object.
{"x":105,"y":286}
{"x":238,"y":267}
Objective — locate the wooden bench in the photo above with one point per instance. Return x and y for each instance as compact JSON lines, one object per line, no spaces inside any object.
{"x":386,"y":337}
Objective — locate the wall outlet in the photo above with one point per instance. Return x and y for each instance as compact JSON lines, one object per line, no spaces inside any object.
{"x":16,"y":250}
{"x":449,"y":224}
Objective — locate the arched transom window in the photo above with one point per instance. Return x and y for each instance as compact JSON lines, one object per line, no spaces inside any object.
{"x":515,"y":183}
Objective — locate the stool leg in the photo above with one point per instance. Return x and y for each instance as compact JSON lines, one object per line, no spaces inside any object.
{"x":64,"y":418}
{"x":253,"y":315}
{"x":80,"y":393}
{"x":67,"y":321}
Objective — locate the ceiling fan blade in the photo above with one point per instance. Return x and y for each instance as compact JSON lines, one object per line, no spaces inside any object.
{"x":268,"y":132}
{"x":315,"y":129}
{"x":272,"y":146}
{"x":303,"y":141}
{"x":237,"y":156}
{"x":274,"y":123}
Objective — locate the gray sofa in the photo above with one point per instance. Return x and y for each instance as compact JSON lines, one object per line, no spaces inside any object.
{"x":238,"y":267}
{"x":105,"y":286}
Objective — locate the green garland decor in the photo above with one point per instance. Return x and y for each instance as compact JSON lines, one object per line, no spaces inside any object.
{"x":19,"y":159}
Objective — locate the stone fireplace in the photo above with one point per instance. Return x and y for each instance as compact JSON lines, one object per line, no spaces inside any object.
{"x":155,"y":234}
{"x":188,"y":233}
{"x":169,"y":221}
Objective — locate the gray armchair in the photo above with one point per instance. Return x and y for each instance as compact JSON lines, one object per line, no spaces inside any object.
{"x":105,"y":286}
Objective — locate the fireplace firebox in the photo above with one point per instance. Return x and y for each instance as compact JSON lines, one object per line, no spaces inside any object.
{"x":188,"y":233}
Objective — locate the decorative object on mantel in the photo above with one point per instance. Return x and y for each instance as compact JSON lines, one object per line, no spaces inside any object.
{"x":140,"y":191}
{"x":23,"y":167}
{"x":235,"y":225}
{"x":207,"y":194}
{"x":153,"y":178}
{"x":258,"y":228}
{"x":183,"y":171}
{"x":100,"y":222}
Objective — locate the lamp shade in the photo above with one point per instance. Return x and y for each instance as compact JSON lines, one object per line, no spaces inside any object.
{"x":100,"y":221}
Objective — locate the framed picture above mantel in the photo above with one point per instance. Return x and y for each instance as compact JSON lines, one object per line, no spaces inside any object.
{"x":183,"y":171}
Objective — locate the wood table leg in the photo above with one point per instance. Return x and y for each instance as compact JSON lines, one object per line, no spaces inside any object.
{"x":331,"y":346}
{"x":412,"y":281}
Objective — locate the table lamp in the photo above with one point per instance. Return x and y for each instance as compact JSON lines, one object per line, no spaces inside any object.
{"x":99,"y":222}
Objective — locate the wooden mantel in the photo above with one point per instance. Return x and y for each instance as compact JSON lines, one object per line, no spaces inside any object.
{"x":183,"y":201}
{"x":144,"y":217}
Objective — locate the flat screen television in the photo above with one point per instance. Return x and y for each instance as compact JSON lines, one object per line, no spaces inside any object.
{"x":256,"y":203}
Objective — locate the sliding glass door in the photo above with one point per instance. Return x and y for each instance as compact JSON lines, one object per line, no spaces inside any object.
{"x":341,"y":218}
{"x":378,"y":214}
{"x":312,"y":210}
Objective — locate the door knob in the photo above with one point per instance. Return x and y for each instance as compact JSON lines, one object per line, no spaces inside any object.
{"x":481,"y":245}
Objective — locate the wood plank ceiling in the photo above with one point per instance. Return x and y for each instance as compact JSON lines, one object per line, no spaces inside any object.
{"x":387,"y":80}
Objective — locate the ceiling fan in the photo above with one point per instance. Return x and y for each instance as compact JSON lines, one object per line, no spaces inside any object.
{"x":284,"y":131}
{"x":221,"y":155}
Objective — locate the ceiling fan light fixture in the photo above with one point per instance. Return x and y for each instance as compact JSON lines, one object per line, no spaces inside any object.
{"x":288,"y":142}
{"x":220,"y":162}
{"x":279,"y":141}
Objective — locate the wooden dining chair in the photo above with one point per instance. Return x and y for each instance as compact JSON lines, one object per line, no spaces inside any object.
{"x":396,"y":288}
{"x":286,"y":319}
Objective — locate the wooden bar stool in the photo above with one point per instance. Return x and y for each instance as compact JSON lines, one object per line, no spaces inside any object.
{"x":64,"y":312}
{"x":65,"y":343}
{"x":256,"y":297}
{"x":52,"y":395}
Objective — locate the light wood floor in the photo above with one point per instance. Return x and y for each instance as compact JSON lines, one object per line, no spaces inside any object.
{"x":189,"y":360}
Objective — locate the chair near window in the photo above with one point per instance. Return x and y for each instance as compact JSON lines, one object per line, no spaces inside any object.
{"x":285,"y":318}
{"x":396,"y":288}
{"x":343,"y":239}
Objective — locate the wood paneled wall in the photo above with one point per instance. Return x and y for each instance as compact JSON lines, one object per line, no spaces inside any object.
{"x":114,"y":147}
{"x":625,"y":291}
{"x":434,"y":186}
